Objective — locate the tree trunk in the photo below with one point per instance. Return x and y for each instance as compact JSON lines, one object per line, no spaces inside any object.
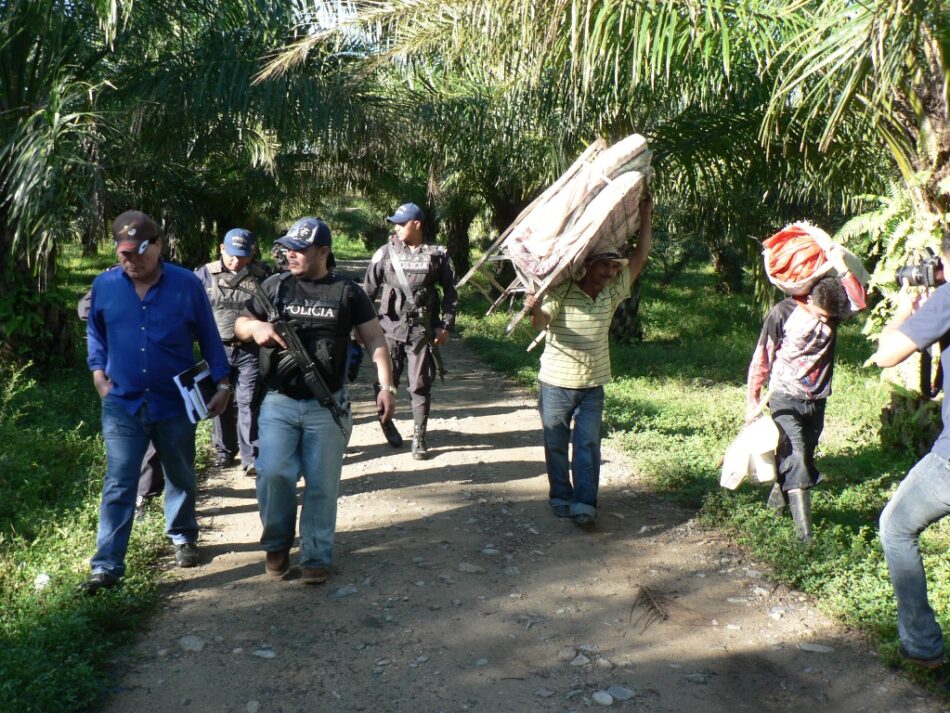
{"x":94,"y":216}
{"x":625,"y":328}
{"x":728,"y":266}
{"x":33,"y":327}
{"x":456,"y":229}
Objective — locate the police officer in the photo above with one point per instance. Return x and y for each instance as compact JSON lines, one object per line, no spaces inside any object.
{"x":415,"y":319}
{"x":235,"y":430}
{"x":298,"y":435}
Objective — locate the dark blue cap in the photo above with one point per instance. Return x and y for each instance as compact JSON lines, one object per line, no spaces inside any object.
{"x":239,"y":242}
{"x":405,"y":213}
{"x":306,"y":233}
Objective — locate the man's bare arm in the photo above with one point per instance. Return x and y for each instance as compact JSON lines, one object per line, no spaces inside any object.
{"x":638,"y":258}
{"x":371,"y":335}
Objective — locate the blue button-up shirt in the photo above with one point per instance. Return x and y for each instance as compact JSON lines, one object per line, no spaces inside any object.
{"x":141,"y":344}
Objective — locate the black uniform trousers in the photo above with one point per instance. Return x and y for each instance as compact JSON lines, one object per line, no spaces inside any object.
{"x":151,"y":478}
{"x":420,"y":370}
{"x":235,"y":430}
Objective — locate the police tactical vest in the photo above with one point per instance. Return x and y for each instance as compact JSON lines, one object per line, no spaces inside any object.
{"x":422,"y":270}
{"x":226,"y":302}
{"x":321,"y":314}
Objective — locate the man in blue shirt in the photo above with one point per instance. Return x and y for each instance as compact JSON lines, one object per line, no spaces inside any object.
{"x":143,"y":322}
{"x":923,"y":497}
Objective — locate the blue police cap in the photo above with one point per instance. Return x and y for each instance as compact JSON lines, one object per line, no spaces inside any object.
{"x":239,"y":242}
{"x":405,"y":213}
{"x":306,"y":233}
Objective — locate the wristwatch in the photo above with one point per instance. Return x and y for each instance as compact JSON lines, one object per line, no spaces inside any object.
{"x":226,"y":387}
{"x":387,"y":387}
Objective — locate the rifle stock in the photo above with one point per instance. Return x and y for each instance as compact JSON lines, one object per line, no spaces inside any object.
{"x":428,"y":341}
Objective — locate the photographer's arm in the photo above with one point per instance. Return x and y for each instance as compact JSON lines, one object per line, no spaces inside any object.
{"x":894,"y":346}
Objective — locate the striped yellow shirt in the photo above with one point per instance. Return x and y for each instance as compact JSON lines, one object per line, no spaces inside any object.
{"x":576,"y":353}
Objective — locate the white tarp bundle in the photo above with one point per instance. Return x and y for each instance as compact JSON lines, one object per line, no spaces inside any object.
{"x":592,"y":208}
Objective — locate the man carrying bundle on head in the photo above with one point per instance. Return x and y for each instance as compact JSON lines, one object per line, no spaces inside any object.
{"x":795,"y":356}
{"x":575,"y":366}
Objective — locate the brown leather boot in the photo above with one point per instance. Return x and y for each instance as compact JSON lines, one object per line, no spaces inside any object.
{"x":277,"y":563}
{"x":314,"y":575}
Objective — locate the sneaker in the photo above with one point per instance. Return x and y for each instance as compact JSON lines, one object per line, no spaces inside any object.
{"x":583,"y":520}
{"x":314,"y":575}
{"x":391,"y":433}
{"x":250,"y":471}
{"x":186,"y":554}
{"x":561,"y":510}
{"x":223,"y":461}
{"x":139,"y":508}
{"x":928,"y":664}
{"x":97,"y":582}
{"x":277,"y":564}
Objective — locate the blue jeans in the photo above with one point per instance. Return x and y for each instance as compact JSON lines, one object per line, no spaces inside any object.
{"x":127,"y":437}
{"x":922,"y":498}
{"x":299,"y":437}
{"x":558,"y":407}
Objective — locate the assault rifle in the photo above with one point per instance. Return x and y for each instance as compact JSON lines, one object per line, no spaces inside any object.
{"x":420,"y":317}
{"x":287,"y":332}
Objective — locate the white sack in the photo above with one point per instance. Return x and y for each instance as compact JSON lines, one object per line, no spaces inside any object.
{"x":751,"y":454}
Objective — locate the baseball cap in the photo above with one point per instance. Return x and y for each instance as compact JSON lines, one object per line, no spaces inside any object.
{"x":133,"y":230}
{"x":611,"y":255}
{"x":239,"y":242}
{"x":306,"y":233}
{"x":405,"y":213}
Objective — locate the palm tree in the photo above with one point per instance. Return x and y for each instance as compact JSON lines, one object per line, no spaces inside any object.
{"x":107,"y":106}
{"x":695,"y":76}
{"x":886,"y":65}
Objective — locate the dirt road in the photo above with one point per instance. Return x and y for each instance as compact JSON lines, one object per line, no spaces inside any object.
{"x":457,"y":590}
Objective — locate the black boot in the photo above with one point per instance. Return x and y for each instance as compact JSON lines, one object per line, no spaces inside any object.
{"x":419,"y":450}
{"x":799,"y":502}
{"x":777,"y":499}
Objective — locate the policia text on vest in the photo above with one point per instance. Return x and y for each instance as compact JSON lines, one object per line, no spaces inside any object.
{"x":295,"y":348}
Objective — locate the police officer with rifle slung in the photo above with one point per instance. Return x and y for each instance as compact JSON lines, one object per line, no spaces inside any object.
{"x":415,"y":319}
{"x":305,"y":419}
{"x":235,"y":430}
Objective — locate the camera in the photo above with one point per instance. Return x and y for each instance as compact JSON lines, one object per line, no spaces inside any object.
{"x":279,"y":253}
{"x":927,"y":271}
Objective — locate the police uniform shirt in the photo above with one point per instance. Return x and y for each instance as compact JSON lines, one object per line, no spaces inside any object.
{"x":425,"y":268}
{"x":323,"y":312}
{"x":227,"y":302}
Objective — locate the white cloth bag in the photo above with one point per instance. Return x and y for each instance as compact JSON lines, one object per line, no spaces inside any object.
{"x":751,"y":455}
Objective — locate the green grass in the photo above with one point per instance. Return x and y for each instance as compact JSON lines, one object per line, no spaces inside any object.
{"x":54,"y":644}
{"x":677,"y":401}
